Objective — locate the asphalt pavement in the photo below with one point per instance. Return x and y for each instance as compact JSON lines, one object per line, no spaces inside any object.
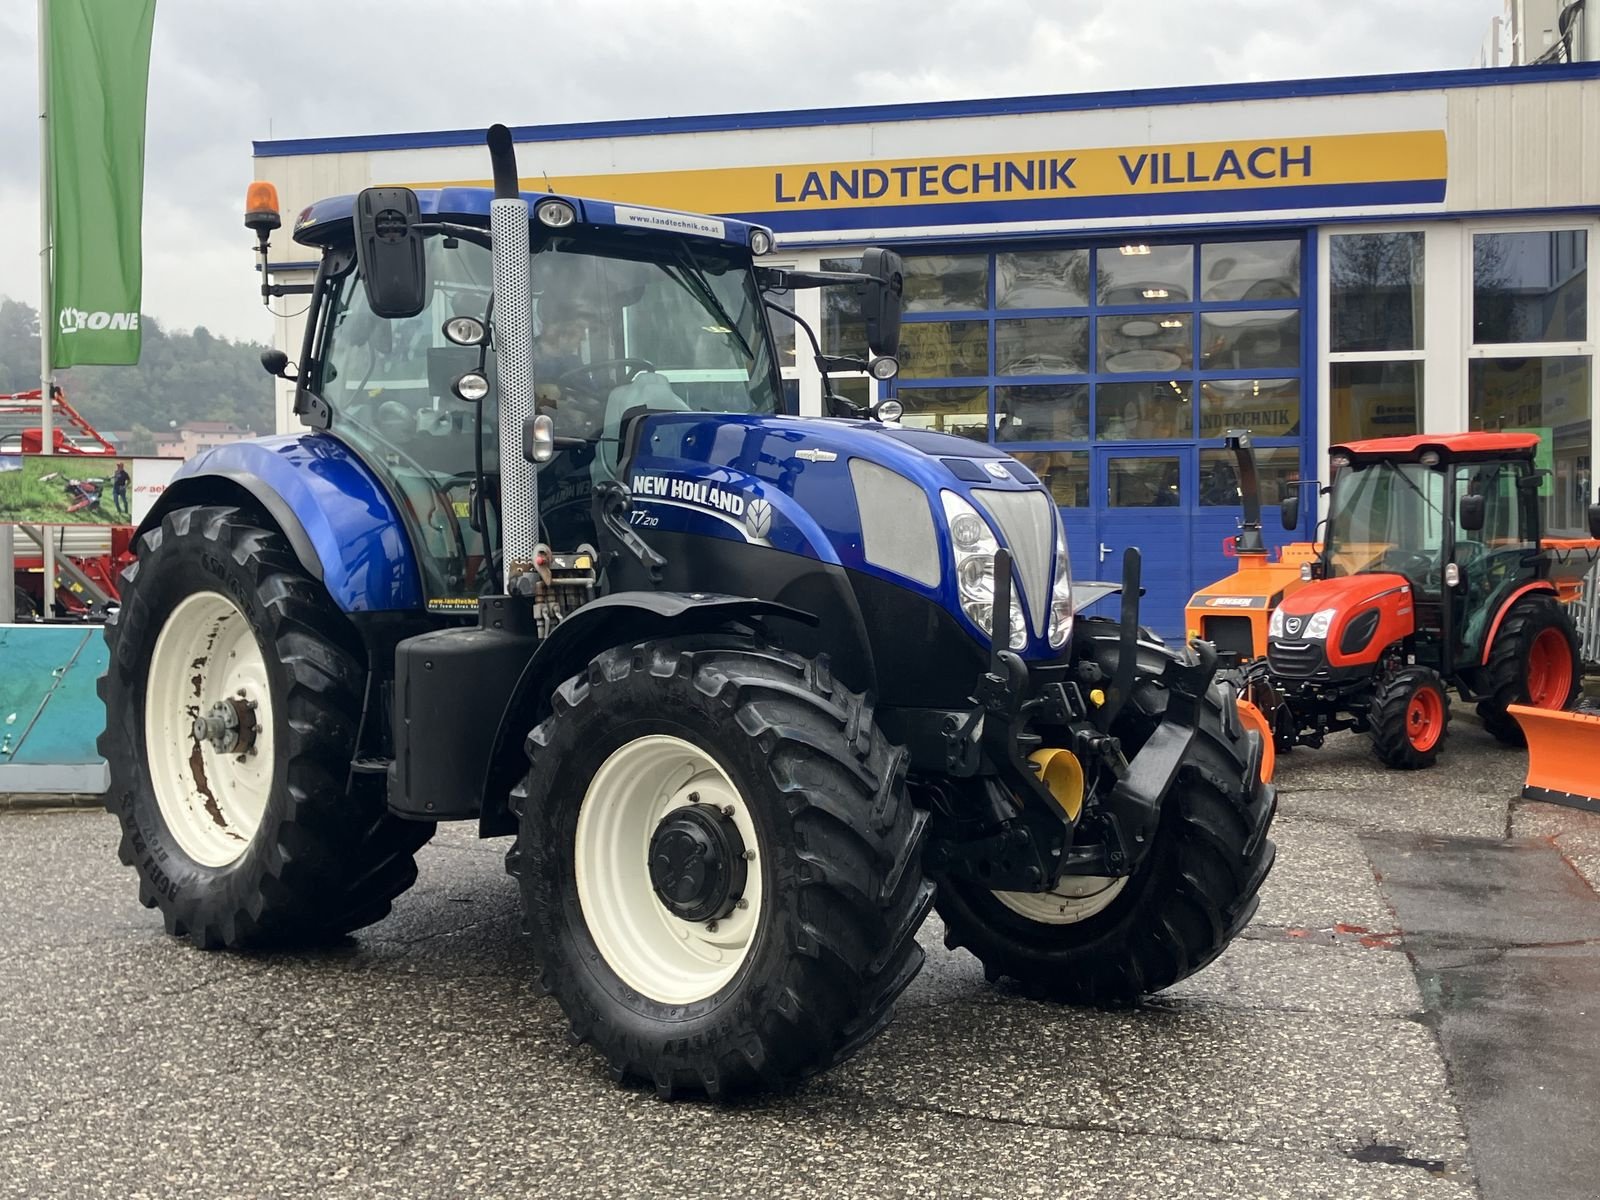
{"x":417,"y":1059}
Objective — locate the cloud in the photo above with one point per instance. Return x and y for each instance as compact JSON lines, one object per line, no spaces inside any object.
{"x":222,"y":75}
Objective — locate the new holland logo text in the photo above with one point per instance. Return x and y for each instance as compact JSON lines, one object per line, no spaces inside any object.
{"x":689,"y":491}
{"x":72,"y":320}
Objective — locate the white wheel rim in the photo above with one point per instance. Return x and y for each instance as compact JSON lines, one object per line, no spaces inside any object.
{"x":212,"y":801}
{"x":651,"y":949}
{"x":1076,"y":898}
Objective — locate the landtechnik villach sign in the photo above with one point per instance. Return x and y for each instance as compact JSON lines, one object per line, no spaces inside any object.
{"x":1050,"y":184}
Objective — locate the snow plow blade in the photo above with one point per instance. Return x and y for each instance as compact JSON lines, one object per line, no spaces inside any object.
{"x":1562,"y":751}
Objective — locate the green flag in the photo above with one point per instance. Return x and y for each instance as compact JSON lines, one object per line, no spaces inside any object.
{"x":97,"y":54}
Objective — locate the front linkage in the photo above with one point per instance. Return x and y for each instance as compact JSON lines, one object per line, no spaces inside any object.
{"x":1033,"y":843}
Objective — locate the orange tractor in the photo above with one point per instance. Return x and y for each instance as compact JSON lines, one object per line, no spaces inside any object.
{"x":1433,"y":574}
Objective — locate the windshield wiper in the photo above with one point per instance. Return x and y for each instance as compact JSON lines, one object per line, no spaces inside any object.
{"x":693,"y":279}
{"x":1412,"y":484}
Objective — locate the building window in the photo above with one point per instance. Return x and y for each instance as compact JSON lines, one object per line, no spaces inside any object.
{"x":1053,"y":350}
{"x":1375,"y":298}
{"x":1531,"y":363}
{"x":958,"y":410}
{"x":1374,"y":399}
{"x":1530,"y":287}
{"x":1277,"y":473}
{"x":1064,"y":472}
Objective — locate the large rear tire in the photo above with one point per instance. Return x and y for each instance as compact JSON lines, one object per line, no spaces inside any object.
{"x":243,"y":835}
{"x":774,"y":947}
{"x":1110,"y":941}
{"x":1535,"y":661}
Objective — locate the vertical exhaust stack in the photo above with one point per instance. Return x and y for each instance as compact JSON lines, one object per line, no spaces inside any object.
{"x":513,"y":341}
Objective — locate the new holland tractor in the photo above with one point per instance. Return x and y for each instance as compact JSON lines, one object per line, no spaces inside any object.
{"x":1434,"y":574}
{"x":751,"y":692}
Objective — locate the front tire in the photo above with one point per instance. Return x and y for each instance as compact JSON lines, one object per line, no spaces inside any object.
{"x":1110,"y":941}
{"x":703,"y":970}
{"x":1535,"y":661}
{"x":1410,"y":719}
{"x":244,"y":834}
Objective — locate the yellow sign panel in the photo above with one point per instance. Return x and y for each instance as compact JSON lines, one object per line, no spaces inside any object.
{"x":1338,"y":161}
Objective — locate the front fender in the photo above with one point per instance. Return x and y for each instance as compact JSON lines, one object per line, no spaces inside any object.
{"x":334,"y":512}
{"x":609,"y":621}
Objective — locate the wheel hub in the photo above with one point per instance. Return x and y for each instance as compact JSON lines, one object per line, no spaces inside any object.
{"x":229,"y":725}
{"x":698,"y":863}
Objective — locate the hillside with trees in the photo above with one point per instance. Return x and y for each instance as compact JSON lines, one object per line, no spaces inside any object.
{"x":180,"y":377}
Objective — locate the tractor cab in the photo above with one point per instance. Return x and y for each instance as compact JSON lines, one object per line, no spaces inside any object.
{"x":1425,"y":536}
{"x":621,"y":320}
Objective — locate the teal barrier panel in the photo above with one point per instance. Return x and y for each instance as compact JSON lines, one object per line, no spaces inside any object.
{"x":50,"y":714}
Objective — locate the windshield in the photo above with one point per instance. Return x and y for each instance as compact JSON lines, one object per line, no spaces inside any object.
{"x":619,"y":323}
{"x":1387,"y":517}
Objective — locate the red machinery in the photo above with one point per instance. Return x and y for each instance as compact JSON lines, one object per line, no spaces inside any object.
{"x":1435,"y":573}
{"x":89,"y":559}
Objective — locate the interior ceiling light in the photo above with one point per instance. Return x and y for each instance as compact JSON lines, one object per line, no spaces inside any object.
{"x":1155,"y":293}
{"x":1136,"y":249}
{"x":1172,"y":324}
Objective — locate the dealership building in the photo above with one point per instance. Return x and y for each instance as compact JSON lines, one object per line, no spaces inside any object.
{"x":1106,"y":283}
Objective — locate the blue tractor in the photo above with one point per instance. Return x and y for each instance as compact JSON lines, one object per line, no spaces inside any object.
{"x":751,"y":692}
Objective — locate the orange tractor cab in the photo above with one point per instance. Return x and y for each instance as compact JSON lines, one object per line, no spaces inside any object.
{"x":1232,"y":614}
{"x":1433,"y":574}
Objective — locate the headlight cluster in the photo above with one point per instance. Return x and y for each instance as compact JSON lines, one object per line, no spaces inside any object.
{"x":1061,"y":592}
{"x":975,"y":545}
{"x":1317,"y":625}
{"x":1320,"y":622}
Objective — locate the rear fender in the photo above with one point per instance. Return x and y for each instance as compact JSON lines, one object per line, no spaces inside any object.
{"x":341,"y":522}
{"x":614,"y":620}
{"x":1538,"y":585}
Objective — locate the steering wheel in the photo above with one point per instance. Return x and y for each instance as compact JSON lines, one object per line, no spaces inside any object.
{"x":587,"y":378}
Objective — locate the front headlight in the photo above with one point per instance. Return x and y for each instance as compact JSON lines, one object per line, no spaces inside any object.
{"x":974,"y":546}
{"x":1320,"y":622}
{"x":1061,"y":592}
{"x":1275,"y":626}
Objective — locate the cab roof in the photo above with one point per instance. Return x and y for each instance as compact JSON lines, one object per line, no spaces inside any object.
{"x":328,"y":220}
{"x":1448,"y":446}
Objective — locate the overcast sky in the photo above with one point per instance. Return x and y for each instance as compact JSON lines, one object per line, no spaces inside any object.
{"x":224,"y":72}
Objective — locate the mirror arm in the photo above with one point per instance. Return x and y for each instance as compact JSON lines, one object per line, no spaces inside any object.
{"x":835,"y":404}
{"x":780,"y":279}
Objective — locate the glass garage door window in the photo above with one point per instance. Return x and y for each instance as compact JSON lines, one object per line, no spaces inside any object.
{"x":1057,"y":352}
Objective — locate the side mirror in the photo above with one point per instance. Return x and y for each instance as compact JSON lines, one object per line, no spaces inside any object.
{"x":1594,"y":521}
{"x":881,"y":299}
{"x":389,"y":251}
{"x":1472,"y":513}
{"x":1289,"y":512}
{"x":276,"y":363}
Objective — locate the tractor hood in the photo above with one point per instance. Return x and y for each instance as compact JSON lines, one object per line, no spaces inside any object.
{"x":858,"y":494}
{"x":1344,"y":594}
{"x":1348,"y":622}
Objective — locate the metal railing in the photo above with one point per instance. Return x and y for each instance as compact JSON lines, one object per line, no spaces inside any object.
{"x":1586,"y":616}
